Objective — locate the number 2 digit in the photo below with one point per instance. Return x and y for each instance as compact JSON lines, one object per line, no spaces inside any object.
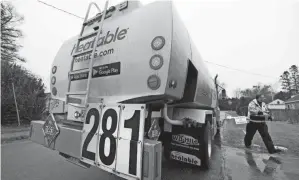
{"x":85,"y":153}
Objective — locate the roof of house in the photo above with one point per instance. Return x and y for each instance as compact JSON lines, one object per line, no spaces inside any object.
{"x":232,"y":113}
{"x":293,"y":99}
{"x":275,"y":102}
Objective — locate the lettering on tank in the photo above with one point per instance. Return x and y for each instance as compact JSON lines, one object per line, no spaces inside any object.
{"x":108,"y":38}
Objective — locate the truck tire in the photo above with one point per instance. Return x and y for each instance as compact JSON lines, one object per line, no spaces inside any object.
{"x":166,"y":141}
{"x":166,"y":153}
{"x":206,"y":142}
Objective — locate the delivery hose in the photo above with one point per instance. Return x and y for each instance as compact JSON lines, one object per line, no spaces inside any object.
{"x":170,"y":121}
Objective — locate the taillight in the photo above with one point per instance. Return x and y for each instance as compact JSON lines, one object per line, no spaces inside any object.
{"x":158,"y":43}
{"x":53,"y":80}
{"x":156,"y":62}
{"x":77,"y":114}
{"x":54,"y":69}
{"x":153,"y":82}
{"x":54,"y":91}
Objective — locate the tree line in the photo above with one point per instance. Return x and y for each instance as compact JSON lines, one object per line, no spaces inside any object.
{"x":29,"y":88}
{"x":289,"y":84}
{"x":290,"y":80}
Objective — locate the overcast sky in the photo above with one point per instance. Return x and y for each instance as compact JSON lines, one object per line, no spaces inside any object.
{"x":257,"y":36}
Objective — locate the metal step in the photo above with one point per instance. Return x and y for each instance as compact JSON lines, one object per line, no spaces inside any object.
{"x":79,"y":71}
{"x":82,"y":53}
{"x":76,"y":93}
{"x":88,"y":35}
{"x":98,"y":18}
{"x":77,"y":105}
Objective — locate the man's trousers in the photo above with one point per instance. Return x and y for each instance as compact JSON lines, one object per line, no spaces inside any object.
{"x":262,"y":128}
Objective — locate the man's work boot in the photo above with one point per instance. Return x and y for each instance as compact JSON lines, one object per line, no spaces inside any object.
{"x":248,"y":147}
{"x":276,"y":151}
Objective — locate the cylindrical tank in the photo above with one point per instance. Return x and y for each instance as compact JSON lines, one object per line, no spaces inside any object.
{"x":126,"y":65}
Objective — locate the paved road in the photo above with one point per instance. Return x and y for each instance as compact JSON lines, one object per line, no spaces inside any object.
{"x":28,"y":161}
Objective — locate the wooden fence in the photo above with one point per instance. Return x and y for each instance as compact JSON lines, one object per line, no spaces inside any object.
{"x":289,"y":115}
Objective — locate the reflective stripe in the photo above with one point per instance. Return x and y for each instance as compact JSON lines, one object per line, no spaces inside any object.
{"x":256,"y":121}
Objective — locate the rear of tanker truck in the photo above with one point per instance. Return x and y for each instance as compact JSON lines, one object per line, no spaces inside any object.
{"x":145,"y":74}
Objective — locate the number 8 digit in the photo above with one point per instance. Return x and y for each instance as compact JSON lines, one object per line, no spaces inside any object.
{"x":108,"y":133}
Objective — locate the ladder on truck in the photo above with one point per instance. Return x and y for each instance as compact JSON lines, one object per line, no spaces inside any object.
{"x":91,"y":62}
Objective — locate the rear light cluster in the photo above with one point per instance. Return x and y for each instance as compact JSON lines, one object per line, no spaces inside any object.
{"x":153,"y":82}
{"x":54,"y":69}
{"x":158,"y":43}
{"x":54,"y":91}
{"x":53,"y":80}
{"x":78,"y":114}
{"x":156,"y":62}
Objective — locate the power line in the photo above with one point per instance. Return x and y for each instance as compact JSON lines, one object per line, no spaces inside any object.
{"x":256,"y":74}
{"x":60,"y":9}
{"x":205,"y":61}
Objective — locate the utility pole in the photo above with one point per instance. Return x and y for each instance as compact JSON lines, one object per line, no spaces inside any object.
{"x":14,"y":95}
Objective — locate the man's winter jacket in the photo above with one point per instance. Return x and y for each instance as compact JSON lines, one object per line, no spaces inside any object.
{"x":257,"y":112}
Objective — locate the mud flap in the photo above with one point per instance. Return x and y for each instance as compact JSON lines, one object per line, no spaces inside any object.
{"x":185,"y":145}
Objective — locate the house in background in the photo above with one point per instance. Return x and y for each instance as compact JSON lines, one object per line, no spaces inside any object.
{"x":293,"y":102}
{"x":276,"y":104}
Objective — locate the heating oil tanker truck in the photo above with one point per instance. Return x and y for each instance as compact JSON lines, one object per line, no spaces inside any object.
{"x":130,"y":89}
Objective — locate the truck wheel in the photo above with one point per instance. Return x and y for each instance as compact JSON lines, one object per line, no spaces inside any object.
{"x":206,"y":144}
{"x":166,"y":141}
{"x":166,"y":153}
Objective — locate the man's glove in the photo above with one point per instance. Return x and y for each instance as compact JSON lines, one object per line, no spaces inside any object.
{"x":270,"y":118}
{"x":260,"y":113}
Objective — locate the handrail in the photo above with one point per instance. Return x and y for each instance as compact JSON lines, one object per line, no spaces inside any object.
{"x":88,"y":10}
{"x":93,"y":52}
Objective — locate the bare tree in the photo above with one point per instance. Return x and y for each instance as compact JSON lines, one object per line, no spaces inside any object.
{"x":10,"y":33}
{"x":29,"y":89}
{"x":266,"y":90}
{"x":237,"y":93}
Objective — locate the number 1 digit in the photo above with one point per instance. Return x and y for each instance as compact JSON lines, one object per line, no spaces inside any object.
{"x":133,"y":123}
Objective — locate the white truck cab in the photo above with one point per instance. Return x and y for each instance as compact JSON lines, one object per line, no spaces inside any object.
{"x":131,"y":86}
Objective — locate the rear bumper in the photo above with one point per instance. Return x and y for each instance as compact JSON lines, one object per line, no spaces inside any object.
{"x":69,"y":142}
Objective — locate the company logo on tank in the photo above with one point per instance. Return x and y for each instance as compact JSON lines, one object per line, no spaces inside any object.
{"x":186,"y":158}
{"x":103,"y":40}
{"x":185,"y":140}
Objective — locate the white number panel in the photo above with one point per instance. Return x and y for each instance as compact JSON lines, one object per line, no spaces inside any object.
{"x":107,"y":140}
{"x":113,"y":138}
{"x":129,"y":157}
{"x":130,"y":143}
{"x":89,"y":135}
